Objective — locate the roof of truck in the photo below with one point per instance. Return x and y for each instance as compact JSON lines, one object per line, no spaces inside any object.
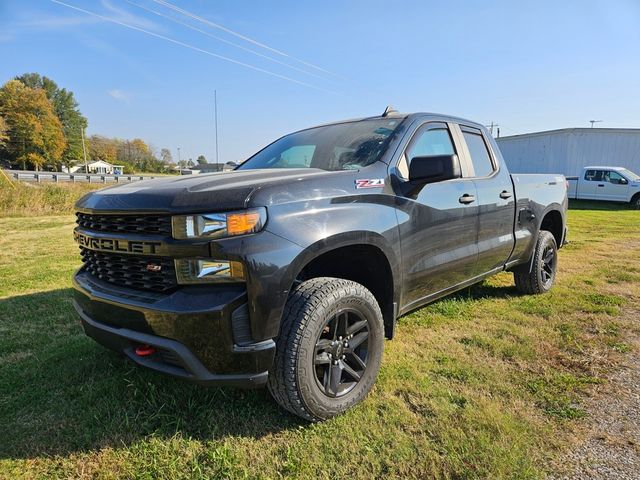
{"x":603,"y":167}
{"x":403,"y":116}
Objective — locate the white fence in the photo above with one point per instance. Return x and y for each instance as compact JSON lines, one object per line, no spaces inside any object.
{"x":38,"y":177}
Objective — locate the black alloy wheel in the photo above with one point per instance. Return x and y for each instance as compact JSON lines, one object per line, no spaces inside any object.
{"x":539,"y":274}
{"x":341,"y":353}
{"x":329,"y":350}
{"x":548,"y":265}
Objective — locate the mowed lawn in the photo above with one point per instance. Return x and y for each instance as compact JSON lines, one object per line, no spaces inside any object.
{"x":483,"y":384}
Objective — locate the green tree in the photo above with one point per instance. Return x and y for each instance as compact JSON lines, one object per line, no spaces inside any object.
{"x":201,"y":160}
{"x":66,"y":109}
{"x":34,"y":130}
{"x":3,"y":132}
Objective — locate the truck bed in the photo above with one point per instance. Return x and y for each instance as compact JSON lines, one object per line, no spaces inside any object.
{"x":536,"y":194}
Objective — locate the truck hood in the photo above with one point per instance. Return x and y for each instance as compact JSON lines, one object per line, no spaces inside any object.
{"x":192,"y":193}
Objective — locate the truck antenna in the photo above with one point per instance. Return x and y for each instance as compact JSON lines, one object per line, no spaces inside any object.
{"x":388,"y":110}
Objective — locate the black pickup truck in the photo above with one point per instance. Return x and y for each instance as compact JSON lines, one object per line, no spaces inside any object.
{"x":291,"y":270}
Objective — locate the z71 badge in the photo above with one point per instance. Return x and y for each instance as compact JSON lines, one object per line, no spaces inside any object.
{"x":370,"y":183}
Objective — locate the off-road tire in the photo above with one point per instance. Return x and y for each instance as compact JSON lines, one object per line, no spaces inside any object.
{"x":292,"y":379}
{"x":533,"y":282}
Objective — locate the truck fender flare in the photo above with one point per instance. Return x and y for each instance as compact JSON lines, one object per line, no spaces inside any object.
{"x":334,"y":242}
{"x":550,"y":208}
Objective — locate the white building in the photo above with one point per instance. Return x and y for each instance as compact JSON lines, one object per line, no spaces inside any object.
{"x":98,"y":166}
{"x":568,"y":150}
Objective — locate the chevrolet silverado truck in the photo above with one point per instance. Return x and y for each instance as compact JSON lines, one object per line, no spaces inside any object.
{"x":613,"y":184}
{"x":291,"y":270}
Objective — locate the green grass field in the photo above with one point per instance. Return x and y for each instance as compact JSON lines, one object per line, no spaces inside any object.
{"x":483,"y":384}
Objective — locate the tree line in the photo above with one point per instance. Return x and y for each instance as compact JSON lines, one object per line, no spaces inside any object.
{"x":41,"y":126}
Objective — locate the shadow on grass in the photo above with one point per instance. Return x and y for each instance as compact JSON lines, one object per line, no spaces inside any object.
{"x":484,"y":290}
{"x":60,"y":392}
{"x":598,"y":205}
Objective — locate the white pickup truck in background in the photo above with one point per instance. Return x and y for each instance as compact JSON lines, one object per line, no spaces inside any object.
{"x":613,"y":184}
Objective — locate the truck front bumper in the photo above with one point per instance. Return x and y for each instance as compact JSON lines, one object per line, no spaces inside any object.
{"x":201,"y":334}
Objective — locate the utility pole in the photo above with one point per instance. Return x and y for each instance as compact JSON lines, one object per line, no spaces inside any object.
{"x":84,"y":152}
{"x":179,"y":164}
{"x":215,"y":120}
{"x":594,"y":121}
{"x":490,"y":127}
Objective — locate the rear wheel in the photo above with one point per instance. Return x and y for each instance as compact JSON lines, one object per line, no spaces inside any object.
{"x":635,"y":201}
{"x":543,"y":270}
{"x":329,"y":350}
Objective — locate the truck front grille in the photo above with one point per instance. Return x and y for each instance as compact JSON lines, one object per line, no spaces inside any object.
{"x":131,"y":271}
{"x":137,"y":224}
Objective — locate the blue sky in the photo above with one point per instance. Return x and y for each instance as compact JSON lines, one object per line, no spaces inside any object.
{"x":539,"y":66}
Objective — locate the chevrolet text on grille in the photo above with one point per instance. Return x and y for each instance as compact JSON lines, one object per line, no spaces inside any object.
{"x":115,"y":245}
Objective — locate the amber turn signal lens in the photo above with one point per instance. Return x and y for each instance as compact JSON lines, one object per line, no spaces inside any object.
{"x":244,"y":222}
{"x":218,"y":225}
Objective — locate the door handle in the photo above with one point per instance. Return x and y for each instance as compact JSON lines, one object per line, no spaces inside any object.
{"x":505,"y":194}
{"x":601,"y":184}
{"x":466,"y":198}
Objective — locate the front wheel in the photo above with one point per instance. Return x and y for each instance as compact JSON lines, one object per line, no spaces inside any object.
{"x":543,"y":269}
{"x":329,"y":350}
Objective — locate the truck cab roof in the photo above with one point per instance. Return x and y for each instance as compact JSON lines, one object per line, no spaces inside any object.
{"x":409,"y":116}
{"x":603,"y":167}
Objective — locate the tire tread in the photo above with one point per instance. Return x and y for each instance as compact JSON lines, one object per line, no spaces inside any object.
{"x":297,"y":315}
{"x":528,"y":282}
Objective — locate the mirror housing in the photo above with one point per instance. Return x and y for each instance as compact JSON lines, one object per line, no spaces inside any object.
{"x":434,"y":168}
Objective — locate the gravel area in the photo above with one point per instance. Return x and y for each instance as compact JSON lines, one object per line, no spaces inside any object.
{"x":611,"y":448}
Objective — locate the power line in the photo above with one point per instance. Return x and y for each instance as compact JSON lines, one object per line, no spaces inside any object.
{"x":239,"y":35}
{"x":191,"y":47}
{"x":224,"y":40}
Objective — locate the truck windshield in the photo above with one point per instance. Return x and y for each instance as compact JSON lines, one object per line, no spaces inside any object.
{"x":630,"y":175}
{"x":343,"y":146}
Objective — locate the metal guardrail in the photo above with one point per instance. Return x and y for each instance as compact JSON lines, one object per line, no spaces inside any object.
{"x":57,"y":177}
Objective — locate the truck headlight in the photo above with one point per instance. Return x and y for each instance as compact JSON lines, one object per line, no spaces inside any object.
{"x":196,"y":270}
{"x":218,"y":225}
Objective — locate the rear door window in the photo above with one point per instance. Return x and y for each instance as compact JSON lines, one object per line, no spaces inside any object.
{"x":482,"y":164}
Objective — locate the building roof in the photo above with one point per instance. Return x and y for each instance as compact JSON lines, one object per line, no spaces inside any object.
{"x":560,"y":131}
{"x":102,"y":162}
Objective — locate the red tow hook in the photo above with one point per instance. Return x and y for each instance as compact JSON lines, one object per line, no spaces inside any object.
{"x":145,"y":350}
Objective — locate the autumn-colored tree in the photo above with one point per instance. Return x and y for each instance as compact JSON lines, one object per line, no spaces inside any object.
{"x":66,"y":109}
{"x":102,"y":148}
{"x":35,"y":132}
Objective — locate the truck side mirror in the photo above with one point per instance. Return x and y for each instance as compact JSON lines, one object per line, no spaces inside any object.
{"x":434,"y":168}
